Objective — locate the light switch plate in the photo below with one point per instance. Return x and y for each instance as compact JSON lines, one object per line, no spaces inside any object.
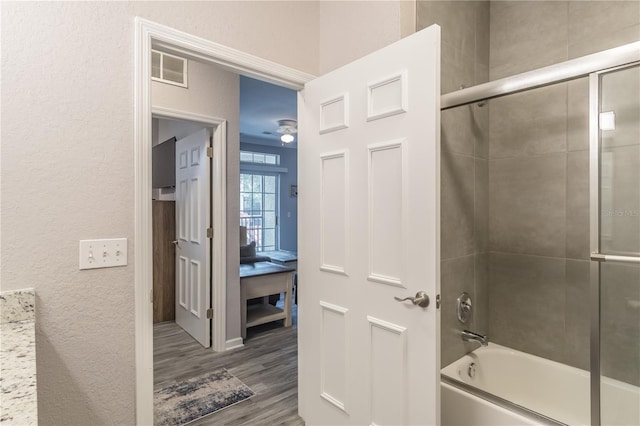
{"x":105,"y":253}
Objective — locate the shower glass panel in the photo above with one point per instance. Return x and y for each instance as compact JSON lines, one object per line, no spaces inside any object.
{"x":619,"y":211}
{"x":515,"y":237}
{"x":620,"y":162}
{"x":540,"y":223}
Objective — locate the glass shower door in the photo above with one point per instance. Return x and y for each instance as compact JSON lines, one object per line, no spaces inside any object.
{"x":616,"y":244}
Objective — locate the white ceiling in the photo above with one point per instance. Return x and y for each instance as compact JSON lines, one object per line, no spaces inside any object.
{"x":261,"y":106}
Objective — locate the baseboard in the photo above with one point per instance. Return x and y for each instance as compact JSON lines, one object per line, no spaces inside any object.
{"x":234,"y":343}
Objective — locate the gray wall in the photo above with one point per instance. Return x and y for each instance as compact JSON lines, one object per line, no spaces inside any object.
{"x":538,"y":196}
{"x":288,"y":208}
{"x":464,"y":173}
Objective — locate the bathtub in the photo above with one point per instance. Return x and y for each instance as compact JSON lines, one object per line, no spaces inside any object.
{"x":556,"y":392}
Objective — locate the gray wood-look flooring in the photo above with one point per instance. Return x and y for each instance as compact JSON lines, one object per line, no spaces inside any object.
{"x":267,"y":363}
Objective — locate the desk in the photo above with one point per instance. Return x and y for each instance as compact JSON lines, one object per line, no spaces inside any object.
{"x":262,"y":279}
{"x":285,"y":258}
{"x":282,"y":257}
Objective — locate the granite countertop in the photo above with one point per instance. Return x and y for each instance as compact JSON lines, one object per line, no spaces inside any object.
{"x":18,"y":404}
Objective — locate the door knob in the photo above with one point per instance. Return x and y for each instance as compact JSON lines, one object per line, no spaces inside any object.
{"x":421,"y":299}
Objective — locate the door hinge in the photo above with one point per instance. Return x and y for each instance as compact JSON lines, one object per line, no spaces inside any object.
{"x":210,"y":151}
{"x":209,"y":232}
{"x":276,"y":220}
{"x":210,"y":313}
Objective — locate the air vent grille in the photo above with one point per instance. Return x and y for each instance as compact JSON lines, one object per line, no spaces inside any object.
{"x":168,"y":68}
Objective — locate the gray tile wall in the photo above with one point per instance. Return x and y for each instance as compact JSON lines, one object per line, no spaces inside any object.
{"x":464,"y":165}
{"x":515,"y":220}
{"x":538,"y":167}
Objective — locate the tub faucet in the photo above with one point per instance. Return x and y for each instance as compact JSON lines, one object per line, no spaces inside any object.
{"x":469,"y":336}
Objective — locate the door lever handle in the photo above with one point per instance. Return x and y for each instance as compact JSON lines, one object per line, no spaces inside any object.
{"x":421,"y":299}
{"x":175,"y":243}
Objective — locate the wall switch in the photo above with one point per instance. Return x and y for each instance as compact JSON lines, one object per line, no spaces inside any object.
{"x":105,"y":253}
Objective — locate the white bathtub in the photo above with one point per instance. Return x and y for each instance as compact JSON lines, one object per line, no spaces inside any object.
{"x":549,"y":388}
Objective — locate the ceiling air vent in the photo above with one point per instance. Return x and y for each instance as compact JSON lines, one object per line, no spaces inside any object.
{"x":168,"y":68}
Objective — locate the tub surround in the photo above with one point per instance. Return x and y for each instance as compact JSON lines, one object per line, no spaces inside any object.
{"x":539,"y":188}
{"x":18,"y":403}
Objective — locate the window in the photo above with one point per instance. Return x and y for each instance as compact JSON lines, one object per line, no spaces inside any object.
{"x":259,"y":208}
{"x":259,"y":158}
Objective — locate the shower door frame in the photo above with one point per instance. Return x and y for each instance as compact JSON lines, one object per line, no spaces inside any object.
{"x":592,"y":66}
{"x":546,"y":76}
{"x":596,"y":256}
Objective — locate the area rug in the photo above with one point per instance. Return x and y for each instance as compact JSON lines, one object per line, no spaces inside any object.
{"x":188,"y":400}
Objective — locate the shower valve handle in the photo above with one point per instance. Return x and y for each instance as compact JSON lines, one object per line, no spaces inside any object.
{"x":421,"y":299}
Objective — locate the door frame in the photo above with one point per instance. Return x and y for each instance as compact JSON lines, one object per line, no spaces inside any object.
{"x":150,"y":34}
{"x":218,"y":213}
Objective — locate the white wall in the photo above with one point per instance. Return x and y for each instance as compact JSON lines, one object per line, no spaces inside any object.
{"x":67,"y":165}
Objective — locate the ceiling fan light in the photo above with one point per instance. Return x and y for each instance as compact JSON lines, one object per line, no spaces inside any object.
{"x":286,"y":138}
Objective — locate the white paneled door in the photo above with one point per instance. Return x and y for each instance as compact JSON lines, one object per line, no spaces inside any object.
{"x":193,"y":248}
{"x":369,"y":167}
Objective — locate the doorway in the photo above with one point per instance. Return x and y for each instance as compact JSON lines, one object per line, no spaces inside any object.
{"x":181,"y":46}
{"x":176,"y":354}
{"x":181,"y":213}
{"x":268,"y":207}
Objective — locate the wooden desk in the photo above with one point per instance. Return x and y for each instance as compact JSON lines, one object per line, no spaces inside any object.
{"x":262,"y":279}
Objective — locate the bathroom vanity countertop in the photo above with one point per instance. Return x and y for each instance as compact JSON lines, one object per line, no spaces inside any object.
{"x":18,"y":404}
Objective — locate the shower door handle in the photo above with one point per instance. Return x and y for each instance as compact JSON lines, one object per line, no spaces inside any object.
{"x":599,"y":257}
{"x":421,"y":299}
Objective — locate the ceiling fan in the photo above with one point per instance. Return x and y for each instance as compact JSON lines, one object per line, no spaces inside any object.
{"x":287,"y":128}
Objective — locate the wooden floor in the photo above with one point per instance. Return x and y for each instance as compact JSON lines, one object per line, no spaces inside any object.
{"x":267,"y":364}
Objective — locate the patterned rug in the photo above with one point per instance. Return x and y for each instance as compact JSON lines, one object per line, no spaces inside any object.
{"x":186,"y":401}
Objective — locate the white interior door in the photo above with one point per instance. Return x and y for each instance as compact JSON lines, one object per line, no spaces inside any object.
{"x":193,"y":289}
{"x":369,"y":231}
